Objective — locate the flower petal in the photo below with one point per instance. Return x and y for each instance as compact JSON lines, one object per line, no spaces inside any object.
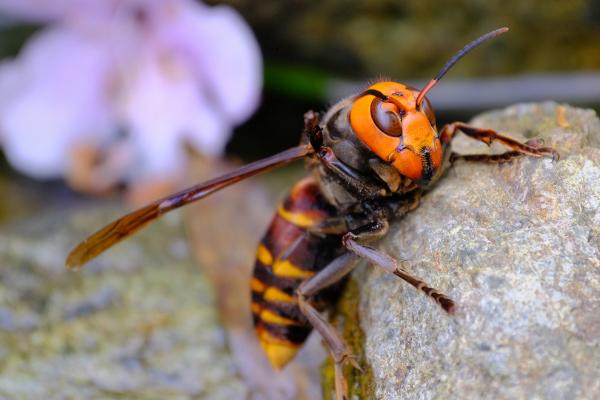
{"x":185,"y":72}
{"x":60,"y":98}
{"x":11,"y":78}
{"x":207,"y":130}
{"x":52,"y":10}
{"x":161,"y":108}
{"x":223,"y":50}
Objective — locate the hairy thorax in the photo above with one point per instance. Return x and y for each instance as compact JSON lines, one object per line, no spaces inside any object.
{"x":381,"y":180}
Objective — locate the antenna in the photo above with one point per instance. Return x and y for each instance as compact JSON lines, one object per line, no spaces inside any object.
{"x":454,"y":60}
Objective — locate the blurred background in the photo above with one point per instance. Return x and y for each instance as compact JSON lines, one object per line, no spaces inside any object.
{"x":316,"y":53}
{"x":105,"y":105}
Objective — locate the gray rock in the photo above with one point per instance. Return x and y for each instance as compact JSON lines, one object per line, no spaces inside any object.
{"x":518,"y":247}
{"x":140,"y":322}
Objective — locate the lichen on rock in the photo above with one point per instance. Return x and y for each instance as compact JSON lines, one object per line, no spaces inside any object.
{"x":360,"y":382}
{"x":140,"y":322}
{"x":517,"y":246}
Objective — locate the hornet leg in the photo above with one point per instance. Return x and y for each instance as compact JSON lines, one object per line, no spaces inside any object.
{"x":353,"y":241}
{"x":340,"y":352}
{"x":532,"y":148}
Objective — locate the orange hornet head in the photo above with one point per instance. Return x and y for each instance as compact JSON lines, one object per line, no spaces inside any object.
{"x":388,"y":119}
{"x":398,"y":125}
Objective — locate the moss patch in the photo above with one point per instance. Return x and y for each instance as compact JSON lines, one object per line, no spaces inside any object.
{"x":346,"y":318}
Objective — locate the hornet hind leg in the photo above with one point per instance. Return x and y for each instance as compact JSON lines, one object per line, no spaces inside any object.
{"x":339,"y":268}
{"x":340,"y":351}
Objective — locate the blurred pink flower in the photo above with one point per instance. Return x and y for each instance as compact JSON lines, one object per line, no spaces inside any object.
{"x":134,"y":79}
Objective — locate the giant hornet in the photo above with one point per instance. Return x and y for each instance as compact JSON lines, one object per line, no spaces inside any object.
{"x":371,"y":156}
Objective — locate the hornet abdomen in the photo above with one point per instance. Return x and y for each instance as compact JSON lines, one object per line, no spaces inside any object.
{"x":287,"y":255}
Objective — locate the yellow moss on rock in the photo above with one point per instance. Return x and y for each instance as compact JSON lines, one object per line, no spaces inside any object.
{"x":346,"y":318}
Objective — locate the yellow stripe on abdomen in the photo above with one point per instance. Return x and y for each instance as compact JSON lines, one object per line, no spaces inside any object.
{"x":271,"y":318}
{"x":257,"y":286}
{"x":285,"y":269}
{"x":264,"y":255}
{"x":299,"y":218}
{"x":256,"y":308}
{"x":278,"y":351}
{"x":274,"y":294}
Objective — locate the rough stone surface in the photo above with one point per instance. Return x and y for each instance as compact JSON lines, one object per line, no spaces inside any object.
{"x":518,"y":247}
{"x":138,"y":323}
{"x":143,"y":321}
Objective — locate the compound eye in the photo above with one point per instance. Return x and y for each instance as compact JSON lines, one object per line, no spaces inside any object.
{"x":387,"y":117}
